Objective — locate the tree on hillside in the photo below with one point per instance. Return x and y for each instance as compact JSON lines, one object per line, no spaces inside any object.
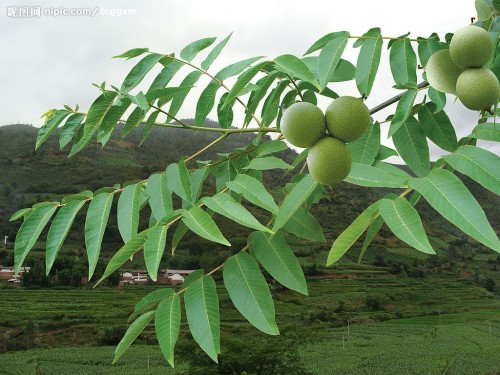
{"x":279,"y":97}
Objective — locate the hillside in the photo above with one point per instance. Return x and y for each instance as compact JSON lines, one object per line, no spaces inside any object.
{"x":29,"y":176}
{"x":369,"y":317}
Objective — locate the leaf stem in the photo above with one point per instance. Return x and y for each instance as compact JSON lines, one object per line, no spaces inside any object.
{"x":395,"y":99}
{"x":223,"y":136}
{"x":296,"y":87}
{"x":169,"y":115}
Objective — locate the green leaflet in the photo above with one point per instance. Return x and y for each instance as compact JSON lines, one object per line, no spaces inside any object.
{"x":372,"y":231}
{"x":114,"y":114}
{"x":448,"y":195}
{"x":202,"y":312}
{"x":167,"y":325}
{"x":438,"y":98}
{"x":227,"y":206}
{"x":309,"y":96}
{"x":47,"y":129}
{"x":487,"y":131}
{"x":178,"y":99}
{"x":385,"y":152}
{"x":166,"y":75}
{"x":206,"y":102}
{"x":243,"y":80}
{"x":149,"y":126}
{"x":154,"y":248}
{"x":373,"y":33}
{"x":484,"y":9}
{"x":198,"y":178}
{"x":429,"y":46}
{"x":256,"y":96}
{"x":349,"y":236}
{"x":366,"y":175}
{"x":391,"y":169}
{"x":131,"y":53}
{"x":95,"y":224}
{"x":214,"y":53}
{"x":225,"y":115}
{"x":267,"y":162}
{"x":293,"y":201}
{"x":29,"y":232}
{"x":132,"y":333}
{"x":126,"y":251}
{"x":165,"y":94}
{"x":365,"y":149}
{"x":270,"y":147}
{"x":150,"y":300}
{"x":304,"y":225}
{"x":368,"y":62}
{"x":300,"y":157}
{"x":249,"y":292}
{"x":95,"y":116}
{"x":189,"y":52}
{"x":253,"y":191}
{"x":271,"y":104}
{"x":139,"y":71}
{"x":225,"y":172}
{"x":345,"y":71}
{"x":411,"y":143}
{"x":329,"y":58}
{"x":169,"y":218}
{"x":192,"y":277}
{"x":495,"y":64}
{"x":128,"y":211}
{"x":404,"y":221}
{"x":179,"y":181}
{"x":236,"y":68}
{"x":403,"y":111}
{"x":438,"y":127}
{"x":321,"y":42}
{"x":295,"y":67}
{"x":20,"y":213}
{"x":203,"y":225}
{"x":480,"y":165}
{"x":403,"y":62}
{"x":59,"y":230}
{"x":133,"y":121}
{"x":69,"y":129}
{"x":278,"y":259}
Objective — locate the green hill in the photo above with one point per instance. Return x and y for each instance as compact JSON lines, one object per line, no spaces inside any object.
{"x":29,"y":176}
{"x":370,"y":317}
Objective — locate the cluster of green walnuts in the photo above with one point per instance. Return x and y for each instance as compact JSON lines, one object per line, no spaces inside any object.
{"x":326,"y":135}
{"x":460,"y":69}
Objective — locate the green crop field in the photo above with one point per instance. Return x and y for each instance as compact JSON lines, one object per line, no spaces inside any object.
{"x":358,"y":321}
{"x":387,"y":348}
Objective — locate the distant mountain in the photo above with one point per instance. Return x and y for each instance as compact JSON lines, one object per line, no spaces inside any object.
{"x":28,"y":176}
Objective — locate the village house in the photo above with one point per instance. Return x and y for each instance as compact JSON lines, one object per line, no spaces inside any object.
{"x":8,"y":273}
{"x":165,"y":277}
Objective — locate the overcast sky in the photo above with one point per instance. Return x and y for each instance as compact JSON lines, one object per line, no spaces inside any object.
{"x":49,"y":61}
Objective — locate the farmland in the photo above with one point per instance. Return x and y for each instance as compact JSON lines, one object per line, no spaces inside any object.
{"x":357,"y":320}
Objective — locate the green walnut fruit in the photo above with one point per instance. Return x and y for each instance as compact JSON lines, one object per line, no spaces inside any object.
{"x":471,"y":47}
{"x":347,"y":118}
{"x":329,"y":161}
{"x":478,"y":88}
{"x":303,"y":124}
{"x":442,"y":73}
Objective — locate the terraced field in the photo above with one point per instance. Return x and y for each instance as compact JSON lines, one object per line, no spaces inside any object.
{"x":362,"y":320}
